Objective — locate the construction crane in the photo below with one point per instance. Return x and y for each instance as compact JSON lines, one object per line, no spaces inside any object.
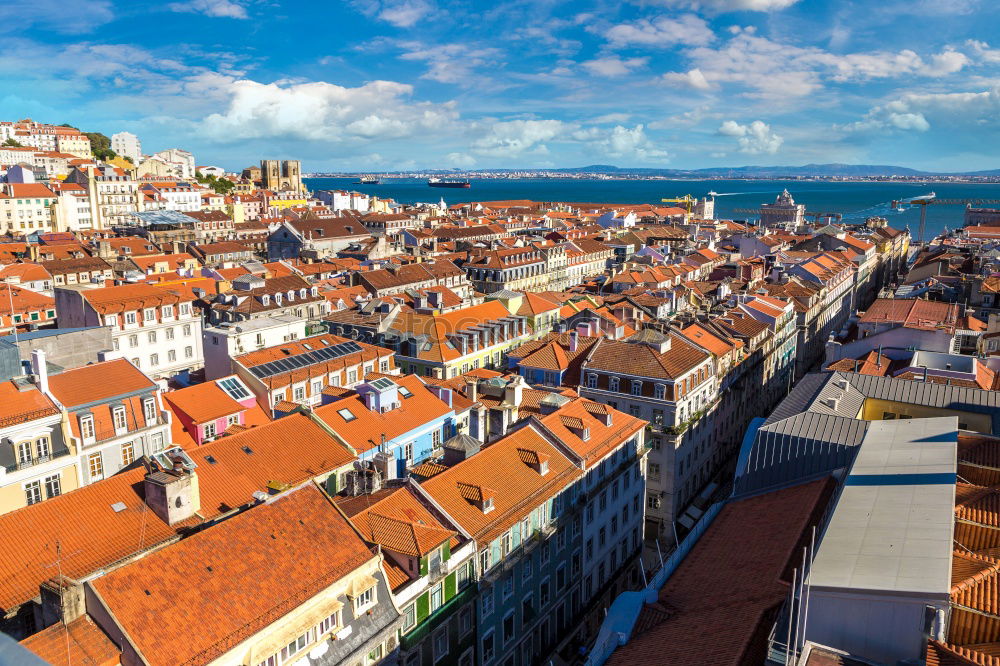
{"x":931,"y":200}
{"x":686,"y":199}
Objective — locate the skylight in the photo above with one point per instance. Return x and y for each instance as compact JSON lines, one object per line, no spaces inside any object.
{"x":405,"y":392}
{"x":346,"y":414}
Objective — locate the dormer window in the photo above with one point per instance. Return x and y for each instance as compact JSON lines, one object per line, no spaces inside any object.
{"x":487,"y":505}
{"x":277,"y":299}
{"x":659,"y":391}
{"x":265,"y":299}
{"x":149,"y":314}
{"x":636,"y":387}
{"x":291,"y":294}
{"x":302,"y":293}
{"x":591,"y":381}
{"x":130,"y":318}
{"x":613,"y":384}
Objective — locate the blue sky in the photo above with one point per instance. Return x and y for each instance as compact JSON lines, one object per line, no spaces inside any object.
{"x":401,"y":84}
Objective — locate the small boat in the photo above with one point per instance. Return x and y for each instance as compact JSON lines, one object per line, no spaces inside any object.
{"x":437,"y":182}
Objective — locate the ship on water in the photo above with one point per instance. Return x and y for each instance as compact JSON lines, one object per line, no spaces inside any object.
{"x":437,"y":182}
{"x":369,"y":180}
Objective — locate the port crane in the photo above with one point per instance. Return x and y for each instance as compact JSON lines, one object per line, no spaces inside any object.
{"x":932,"y":200}
{"x":687,"y":199}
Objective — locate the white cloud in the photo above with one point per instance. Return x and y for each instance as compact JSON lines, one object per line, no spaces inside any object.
{"x":452,"y":63}
{"x":460,"y":160}
{"x":214,"y":8}
{"x":661,"y":32}
{"x":754,"y":138}
{"x":632,"y":143}
{"x":613,"y":65}
{"x":721,"y":6}
{"x":983,"y":52}
{"x":70,"y":17}
{"x":325,"y":112}
{"x":978,"y":111}
{"x":692,"y":79}
{"x":772,"y":69}
{"x":405,"y":14}
{"x":512,"y":138}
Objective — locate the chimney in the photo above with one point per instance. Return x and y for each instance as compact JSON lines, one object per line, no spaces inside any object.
{"x":62,"y":599}
{"x":472,"y":388}
{"x":173,"y":495}
{"x":40,"y":370}
{"x":573,"y":340}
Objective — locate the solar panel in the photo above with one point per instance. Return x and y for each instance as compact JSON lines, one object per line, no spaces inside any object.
{"x":233,"y":388}
{"x":382,"y":383}
{"x":259,"y":371}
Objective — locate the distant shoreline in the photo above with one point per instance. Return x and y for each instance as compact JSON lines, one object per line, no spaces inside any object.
{"x":931,"y":180}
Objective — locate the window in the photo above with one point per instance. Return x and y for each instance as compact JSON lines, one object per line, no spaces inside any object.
{"x":484,"y":559}
{"x":185,"y":309}
{"x":168,"y":311}
{"x":24,"y":453}
{"x":441,"y":644}
{"x":437,"y":596}
{"x":111,"y":320}
{"x":653,"y":501}
{"x":561,"y":577}
{"x":171,"y":356}
{"x":409,"y":616}
{"x":152,"y":337}
{"x":465,"y":621}
{"x":591,"y":381}
{"x":232,"y":419}
{"x":33,"y":492}
{"x":188,"y":352}
{"x":156,"y":442}
{"x":128,"y":453}
{"x":299,"y":393}
{"x":154,"y":360}
{"x":208,"y":430}
{"x":364,"y":600}
{"x":149,"y":314}
{"x":659,"y":391}
{"x":169,"y":332}
{"x":489,"y":648}
{"x":53,"y":486}
{"x":121,"y":423}
{"x":346,"y":414}
{"x":613,"y":384}
{"x":508,"y":627}
{"x":486,"y":602}
{"x":187,"y":330}
{"x":95,"y":465}
{"x":463,"y":576}
{"x":133,"y":340}
{"x":526,"y":568}
{"x":149,"y":409}
{"x":636,"y":387}
{"x":543,"y":593}
{"x":130,"y":318}
{"x":508,"y":586}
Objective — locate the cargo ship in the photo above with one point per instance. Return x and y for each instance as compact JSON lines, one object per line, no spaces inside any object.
{"x":437,"y":182}
{"x":369,"y":180}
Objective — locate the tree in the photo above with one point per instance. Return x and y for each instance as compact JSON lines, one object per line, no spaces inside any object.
{"x":101,"y":145}
{"x":11,"y":142}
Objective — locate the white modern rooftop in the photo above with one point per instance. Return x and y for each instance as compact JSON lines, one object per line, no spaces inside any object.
{"x":892,"y":528}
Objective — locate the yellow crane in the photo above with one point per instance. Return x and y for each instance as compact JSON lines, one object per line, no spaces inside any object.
{"x":686,"y":199}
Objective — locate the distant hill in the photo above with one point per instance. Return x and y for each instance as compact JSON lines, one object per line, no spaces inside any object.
{"x":842,"y":170}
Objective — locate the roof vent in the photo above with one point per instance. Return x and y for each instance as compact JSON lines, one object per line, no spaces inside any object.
{"x":118,"y":507}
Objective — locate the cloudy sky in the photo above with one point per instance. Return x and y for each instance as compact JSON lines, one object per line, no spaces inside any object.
{"x":400,"y":84}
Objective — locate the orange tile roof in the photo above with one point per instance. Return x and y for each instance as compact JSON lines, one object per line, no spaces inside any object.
{"x":130,"y":297}
{"x":364,"y":431}
{"x":291,"y":450}
{"x":208,"y":588}
{"x":912,"y":313}
{"x":98,"y":382}
{"x":203,"y":402}
{"x":396,"y":520}
{"x":521,"y":490}
{"x":582,"y":413}
{"x":79,"y":643}
{"x":22,"y":406}
{"x":708,"y":340}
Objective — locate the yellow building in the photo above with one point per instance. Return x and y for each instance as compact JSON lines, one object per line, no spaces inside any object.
{"x":40,"y":458}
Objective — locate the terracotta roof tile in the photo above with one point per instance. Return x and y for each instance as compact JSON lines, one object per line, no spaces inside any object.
{"x":22,"y":406}
{"x":98,"y":382}
{"x":79,"y":643}
{"x":220,"y":586}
